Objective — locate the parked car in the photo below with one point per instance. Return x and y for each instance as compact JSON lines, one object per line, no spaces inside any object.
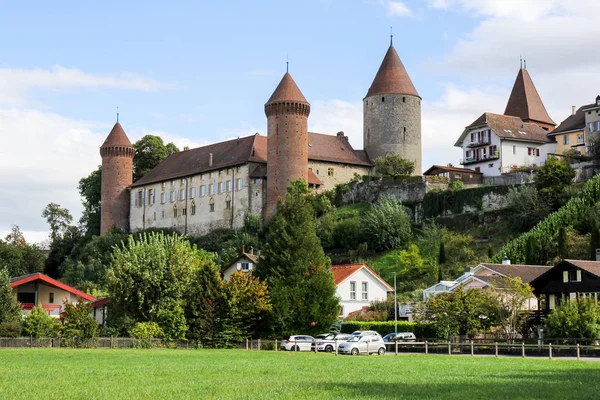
{"x":368,"y":344}
{"x":400,"y":337}
{"x":327,"y":342}
{"x":297,"y":343}
{"x":363,"y":333}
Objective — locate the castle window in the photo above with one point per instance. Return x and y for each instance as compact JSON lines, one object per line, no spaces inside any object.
{"x":317,"y":172}
{"x":404,"y":133}
{"x":203,"y":190}
{"x":154,"y":216}
{"x":139,"y":200}
{"x":404,"y":99}
{"x":222,"y":187}
{"x":163,"y":198}
{"x":211,"y":205}
{"x":239,"y":184}
{"x":193,"y":208}
{"x":220,"y":172}
{"x":182,"y":182}
{"x":172,"y":183}
{"x":330,"y":171}
{"x":175,"y":211}
{"x":163,"y":185}
{"x":211,"y":189}
{"x":184,"y":211}
{"x":192,"y":192}
{"x":310,"y":169}
{"x":228,"y":186}
{"x":150,"y":197}
{"x":173,"y":195}
{"x":163,"y":214}
{"x":566,"y":139}
{"x":181,"y":194}
{"x":211,"y":174}
{"x":228,"y":171}
{"x":228,"y":204}
{"x":382,"y":99}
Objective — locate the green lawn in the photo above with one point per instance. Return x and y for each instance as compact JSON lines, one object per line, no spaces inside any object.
{"x":222,"y":374}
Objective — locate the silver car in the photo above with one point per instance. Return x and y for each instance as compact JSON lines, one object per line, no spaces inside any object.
{"x":328,"y":342}
{"x":297,"y":343}
{"x":365,"y":344}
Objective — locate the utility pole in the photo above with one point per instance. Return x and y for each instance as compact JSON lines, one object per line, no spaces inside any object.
{"x":395,"y":307}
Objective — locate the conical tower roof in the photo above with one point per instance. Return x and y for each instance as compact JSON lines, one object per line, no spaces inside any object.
{"x":392,"y":77}
{"x":117,"y":137}
{"x":287,"y":90}
{"x":525,"y":102}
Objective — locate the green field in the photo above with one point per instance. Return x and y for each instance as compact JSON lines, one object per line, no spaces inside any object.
{"x":223,"y":374}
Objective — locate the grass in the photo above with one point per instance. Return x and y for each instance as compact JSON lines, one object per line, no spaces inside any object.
{"x":224,"y":374}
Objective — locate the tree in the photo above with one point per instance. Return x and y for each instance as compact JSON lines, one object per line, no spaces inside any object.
{"x":149,"y":281}
{"x":552,"y":178}
{"x":386,"y":225}
{"x":510,"y":297}
{"x":528,"y":206}
{"x":149,"y":152}
{"x":562,"y":243}
{"x":578,"y":319}
{"x":296,"y":269}
{"x":19,"y":257}
{"x":90,"y":188}
{"x":462,"y":312}
{"x":58,"y":218}
{"x":10,"y":309}
{"x":594,"y":238}
{"x":78,"y":324}
{"x":60,"y":249}
{"x":39,"y":324}
{"x":394,"y":165}
{"x":414,"y":272}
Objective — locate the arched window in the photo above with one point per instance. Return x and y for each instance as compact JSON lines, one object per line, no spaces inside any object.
{"x":211,"y":205}
{"x":382,"y":99}
{"x":193,"y":207}
{"x":228,"y":203}
{"x":175,"y":211}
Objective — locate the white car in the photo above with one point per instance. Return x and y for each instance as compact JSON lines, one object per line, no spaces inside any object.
{"x":365,"y":344}
{"x":327,"y":342}
{"x":297,"y":343}
{"x":364,"y":333}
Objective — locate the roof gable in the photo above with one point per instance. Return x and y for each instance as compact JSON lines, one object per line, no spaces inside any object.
{"x":573,"y":122}
{"x":342,"y":272}
{"x":21,"y":280}
{"x":525,"y":101}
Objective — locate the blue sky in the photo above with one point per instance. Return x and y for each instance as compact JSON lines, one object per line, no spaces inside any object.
{"x":200,"y":72}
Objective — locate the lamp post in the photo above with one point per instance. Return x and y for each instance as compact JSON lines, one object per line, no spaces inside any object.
{"x":395,"y":307}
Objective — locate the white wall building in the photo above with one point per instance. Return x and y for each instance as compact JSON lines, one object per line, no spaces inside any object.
{"x":357,"y":286}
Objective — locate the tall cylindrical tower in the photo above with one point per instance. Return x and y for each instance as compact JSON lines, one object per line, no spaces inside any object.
{"x":392,"y":113}
{"x":287,"y":140}
{"x":117,"y":175}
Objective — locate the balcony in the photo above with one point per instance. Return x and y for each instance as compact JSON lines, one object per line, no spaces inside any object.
{"x":474,"y":160}
{"x":53,"y":310}
{"x":478,"y":143}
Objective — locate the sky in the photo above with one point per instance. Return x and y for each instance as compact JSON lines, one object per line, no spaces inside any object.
{"x":200,"y":72}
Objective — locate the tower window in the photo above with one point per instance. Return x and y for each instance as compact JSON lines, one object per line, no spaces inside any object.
{"x":175,"y":211}
{"x":228,"y":204}
{"x":184,"y":211}
{"x":193,"y":208}
{"x":154,"y":216}
{"x":404,"y":99}
{"x":382,"y":99}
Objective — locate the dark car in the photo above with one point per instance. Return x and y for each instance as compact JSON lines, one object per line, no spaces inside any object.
{"x":400,"y":337}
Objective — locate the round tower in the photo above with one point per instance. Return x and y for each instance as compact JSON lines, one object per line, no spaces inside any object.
{"x":287,"y":140}
{"x":117,"y":175}
{"x":392,"y":113}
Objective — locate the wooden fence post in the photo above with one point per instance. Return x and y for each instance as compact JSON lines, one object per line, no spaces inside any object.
{"x":449,"y":349}
{"x":472,"y":350}
{"x":523,"y":349}
{"x":259,"y":343}
{"x":246,"y":343}
{"x":336,"y":347}
{"x":578,"y":352}
{"x":550,"y":350}
{"x":426,"y":348}
{"x":496,"y":349}
{"x":396,"y":346}
{"x":275,"y":340}
{"x":368,"y":349}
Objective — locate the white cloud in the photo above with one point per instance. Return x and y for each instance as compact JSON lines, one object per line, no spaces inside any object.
{"x":15,"y":83}
{"x":396,"y":8}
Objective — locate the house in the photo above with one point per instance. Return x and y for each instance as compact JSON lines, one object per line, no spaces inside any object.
{"x":592,"y":121}
{"x":567,"y":280}
{"x":357,"y":286}
{"x":245,"y":263}
{"x":100,"y":308}
{"x":499,"y":143}
{"x":570,"y":134}
{"x":50,"y":294}
{"x":489,"y":275}
{"x":466,"y":175}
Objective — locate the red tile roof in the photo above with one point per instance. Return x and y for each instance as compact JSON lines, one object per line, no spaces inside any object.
{"x":117,"y":137}
{"x":525,"y":102}
{"x":287,"y":90}
{"x":343,"y":272}
{"x":392,"y":77}
{"x":328,"y":148}
{"x":436,"y":169}
{"x":21,"y":280}
{"x":100,"y":302}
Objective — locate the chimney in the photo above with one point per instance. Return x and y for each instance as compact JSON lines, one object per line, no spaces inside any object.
{"x":243,"y":249}
{"x":210,"y":160}
{"x":467,"y":270}
{"x":186,"y":148}
{"x":573,"y":110}
{"x":251,"y":250}
{"x":340,"y":133}
{"x":505,"y":260}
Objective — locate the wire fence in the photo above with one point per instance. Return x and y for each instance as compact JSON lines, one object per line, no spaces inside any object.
{"x":555,"y":348}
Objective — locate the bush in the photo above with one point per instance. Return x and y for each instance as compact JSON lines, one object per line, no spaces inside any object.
{"x":347,"y":234}
{"x":145,"y":332}
{"x":421,"y":330}
{"x":78,"y":325}
{"x":574,"y":320}
{"x":10,"y":329}
{"x":386,"y":225}
{"x":39,"y":324}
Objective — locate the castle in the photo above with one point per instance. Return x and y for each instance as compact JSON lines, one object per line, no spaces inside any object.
{"x":198,"y":190}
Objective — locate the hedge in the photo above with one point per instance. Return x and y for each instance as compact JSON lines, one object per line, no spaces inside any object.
{"x":384,"y":327}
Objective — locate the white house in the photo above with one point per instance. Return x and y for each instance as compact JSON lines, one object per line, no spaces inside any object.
{"x":357,"y":286}
{"x":245,"y":263}
{"x":488,"y":275}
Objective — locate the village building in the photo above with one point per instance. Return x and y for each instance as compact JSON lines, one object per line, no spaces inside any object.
{"x":198,"y":190}
{"x":570,"y":134}
{"x":466,"y":175}
{"x":495,"y":144}
{"x":245,"y":263}
{"x":357,"y":286}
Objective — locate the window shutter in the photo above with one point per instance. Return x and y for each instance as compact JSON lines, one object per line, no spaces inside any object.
{"x":579,"y":276}
{"x":565,"y":276}
{"x":239,"y":266}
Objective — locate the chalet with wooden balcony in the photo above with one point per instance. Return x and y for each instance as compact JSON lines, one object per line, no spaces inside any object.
{"x":40,"y":290}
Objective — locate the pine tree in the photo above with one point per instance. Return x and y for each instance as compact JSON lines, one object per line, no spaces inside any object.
{"x":442,"y":254}
{"x":562,"y":243}
{"x":296,"y":269}
{"x":10,"y":310}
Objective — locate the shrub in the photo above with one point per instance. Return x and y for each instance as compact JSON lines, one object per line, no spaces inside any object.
{"x":347,"y":234}
{"x":145,"y":332}
{"x":78,"y":325}
{"x":456,"y":186}
{"x":386,"y":225}
{"x":39,"y":324}
{"x":574,"y":319}
{"x":10,"y":329}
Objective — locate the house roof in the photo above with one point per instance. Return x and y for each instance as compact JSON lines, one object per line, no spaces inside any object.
{"x":592,"y":267}
{"x":117,"y":137}
{"x":525,"y":102}
{"x":572,"y":122}
{"x":392,"y":77}
{"x":328,"y":148}
{"x":101,"y":302}
{"x":527,"y":273}
{"x":507,"y":127}
{"x":287,"y":90}
{"x":343,"y":272}
{"x":435,"y":169}
{"x":21,"y":280}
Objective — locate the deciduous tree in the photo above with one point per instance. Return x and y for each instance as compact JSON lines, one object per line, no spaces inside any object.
{"x":90,"y":188}
{"x":394,"y":165}
{"x":149,"y":152}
